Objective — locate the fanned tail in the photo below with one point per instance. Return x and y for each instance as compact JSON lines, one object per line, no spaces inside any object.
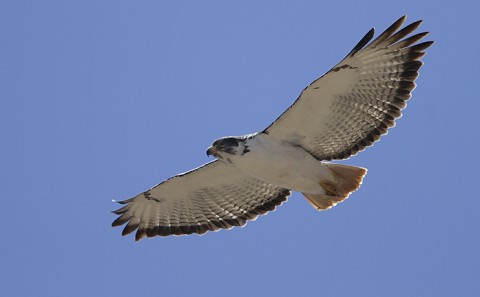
{"x":347,"y":179}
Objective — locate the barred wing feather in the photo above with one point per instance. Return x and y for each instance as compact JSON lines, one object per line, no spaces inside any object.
{"x":355,"y":103}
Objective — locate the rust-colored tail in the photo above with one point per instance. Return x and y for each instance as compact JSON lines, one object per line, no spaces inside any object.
{"x":347,"y":179}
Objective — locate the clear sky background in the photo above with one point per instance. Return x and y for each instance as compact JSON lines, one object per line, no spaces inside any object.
{"x":101,"y":100}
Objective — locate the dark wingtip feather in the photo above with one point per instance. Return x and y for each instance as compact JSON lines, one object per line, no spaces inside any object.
{"x":403,"y":32}
{"x":389,"y":31}
{"x":402,"y":19}
{"x":412,"y":65}
{"x":125,"y":201}
{"x":141,"y":233}
{"x":407,"y":85}
{"x":361,"y":44}
{"x":392,"y":34}
{"x":121,"y":220}
{"x":121,"y":210}
{"x":129,"y":228}
{"x":410,"y":40}
{"x":409,"y":75}
{"x":421,"y":46}
{"x":416,"y":56}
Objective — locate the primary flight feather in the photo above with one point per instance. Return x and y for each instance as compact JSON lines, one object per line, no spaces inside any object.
{"x":335,"y":117}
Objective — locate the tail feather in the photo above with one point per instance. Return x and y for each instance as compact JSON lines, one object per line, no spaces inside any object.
{"x":346,"y":179}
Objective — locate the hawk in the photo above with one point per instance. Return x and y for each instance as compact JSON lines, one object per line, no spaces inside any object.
{"x":335,"y":117}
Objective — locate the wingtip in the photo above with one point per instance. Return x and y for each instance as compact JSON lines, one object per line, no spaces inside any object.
{"x":140,"y":234}
{"x":371,"y":32}
{"x":401,"y":19}
{"x":363,"y":42}
{"x":413,"y":26}
{"x":397,"y":24}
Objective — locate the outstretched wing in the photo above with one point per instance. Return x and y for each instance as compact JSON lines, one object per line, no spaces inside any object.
{"x":212,"y":197}
{"x":354,"y":104}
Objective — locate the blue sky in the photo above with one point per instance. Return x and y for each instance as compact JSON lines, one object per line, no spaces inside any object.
{"x":100,"y":100}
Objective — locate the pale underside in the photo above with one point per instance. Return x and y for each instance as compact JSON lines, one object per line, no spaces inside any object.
{"x":283,"y":164}
{"x":338,"y":115}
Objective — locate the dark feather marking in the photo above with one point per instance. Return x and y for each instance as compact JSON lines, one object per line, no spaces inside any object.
{"x":404,"y":32}
{"x":126,"y":201}
{"x":149,"y":196}
{"x":121,"y":220}
{"x":421,"y":46}
{"x":151,"y":232}
{"x":389,"y":31}
{"x":412,"y":66}
{"x":164,"y":231}
{"x":409,"y":75}
{"x":186,"y":229}
{"x":178,"y":230}
{"x":361,"y":43}
{"x":129,"y":228}
{"x":338,"y":68}
{"x":201,"y":229}
{"x":121,"y":210}
{"x":411,"y":40}
{"x":141,"y":233}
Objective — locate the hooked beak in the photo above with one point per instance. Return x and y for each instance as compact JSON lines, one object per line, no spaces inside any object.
{"x":210,"y":151}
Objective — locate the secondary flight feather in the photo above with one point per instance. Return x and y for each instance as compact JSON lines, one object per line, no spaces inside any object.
{"x":336,"y":116}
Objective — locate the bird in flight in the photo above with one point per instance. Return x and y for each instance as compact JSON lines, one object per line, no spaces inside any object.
{"x":335,"y":117}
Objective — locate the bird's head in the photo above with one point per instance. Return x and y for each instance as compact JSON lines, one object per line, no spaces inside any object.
{"x":226,"y":147}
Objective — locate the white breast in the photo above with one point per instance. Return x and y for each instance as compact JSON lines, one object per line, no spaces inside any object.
{"x":283,"y":164}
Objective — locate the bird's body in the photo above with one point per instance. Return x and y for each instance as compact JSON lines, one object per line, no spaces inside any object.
{"x":335,"y":117}
{"x":280,"y":163}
